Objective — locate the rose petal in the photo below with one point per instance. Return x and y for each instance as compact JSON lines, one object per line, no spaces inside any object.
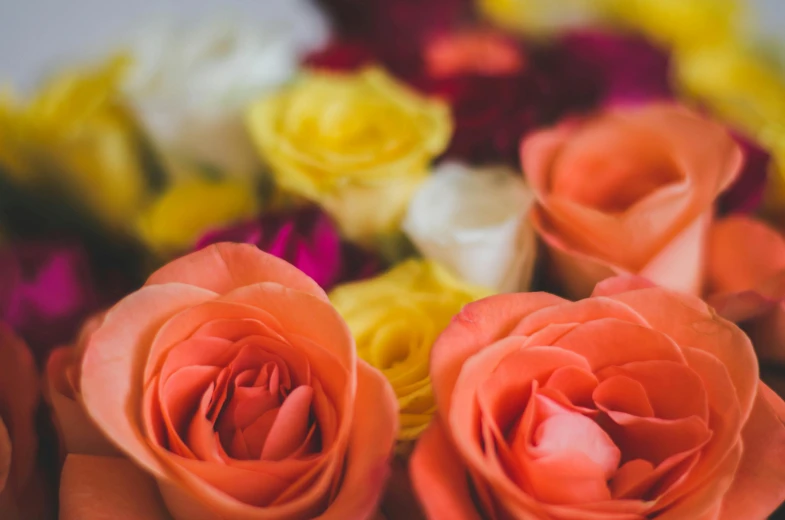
{"x":290,"y":426}
{"x":691,"y":325}
{"x":759,"y":484}
{"x":743,"y":254}
{"x":232,"y":266}
{"x":77,"y":431}
{"x":367,"y":464}
{"x":479,"y":324}
{"x":439,"y":479}
{"x":116,"y":356}
{"x":108,"y":487}
{"x":621,"y":284}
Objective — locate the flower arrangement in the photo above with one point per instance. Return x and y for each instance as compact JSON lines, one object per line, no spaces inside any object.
{"x":396,"y":259}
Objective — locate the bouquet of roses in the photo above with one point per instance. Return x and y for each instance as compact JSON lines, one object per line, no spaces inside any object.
{"x":364,"y":259}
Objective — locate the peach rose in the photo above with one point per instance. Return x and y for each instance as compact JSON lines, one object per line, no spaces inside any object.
{"x":233,"y":388}
{"x":630,"y":190}
{"x":19,"y":394}
{"x":637,"y":402}
{"x":746,"y":284}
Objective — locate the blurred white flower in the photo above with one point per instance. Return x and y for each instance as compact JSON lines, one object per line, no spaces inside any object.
{"x":190,"y":84}
{"x":475,"y":221}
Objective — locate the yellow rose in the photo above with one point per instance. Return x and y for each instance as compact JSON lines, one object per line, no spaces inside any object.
{"x":738,"y":84}
{"x":680,"y":23}
{"x":187,"y":209}
{"x":358,"y":144}
{"x":540,"y":16}
{"x":76,"y":137}
{"x":395,"y":318}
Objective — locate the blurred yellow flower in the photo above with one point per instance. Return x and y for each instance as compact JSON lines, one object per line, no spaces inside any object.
{"x":540,"y":16}
{"x":395,"y":319}
{"x":738,"y":84}
{"x":174,"y":221}
{"x":358,"y":144}
{"x":682,"y":24}
{"x":77,"y":137}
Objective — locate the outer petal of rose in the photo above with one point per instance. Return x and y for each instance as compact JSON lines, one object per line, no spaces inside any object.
{"x":743,"y":254}
{"x":696,"y":325}
{"x":702,"y":503}
{"x":19,"y":394}
{"x":115,"y":359}
{"x":759,"y":485}
{"x":478,"y":325}
{"x":679,"y":265}
{"x":578,"y":273}
{"x":77,"y":431}
{"x":742,"y":306}
{"x":108,"y":487}
{"x":540,"y":150}
{"x":226,"y":266}
{"x":439,"y":478}
{"x":621,"y":284}
{"x":374,"y":430}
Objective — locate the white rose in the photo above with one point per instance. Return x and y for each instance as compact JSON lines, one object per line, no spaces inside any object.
{"x":475,"y":221}
{"x":189,"y":85}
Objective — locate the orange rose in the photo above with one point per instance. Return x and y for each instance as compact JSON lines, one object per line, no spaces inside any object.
{"x":637,"y":402}
{"x":19,"y":395}
{"x":234,"y":390}
{"x":630,"y":190}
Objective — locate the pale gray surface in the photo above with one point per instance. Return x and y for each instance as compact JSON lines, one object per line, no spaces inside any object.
{"x":36,"y":35}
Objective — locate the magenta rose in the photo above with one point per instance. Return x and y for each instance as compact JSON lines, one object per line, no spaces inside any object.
{"x":306,"y":238}
{"x":627,"y":68}
{"x":46,"y":290}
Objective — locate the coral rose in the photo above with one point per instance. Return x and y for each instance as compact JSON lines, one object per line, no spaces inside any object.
{"x":233,"y":388}
{"x":629,"y":191}
{"x":638,"y":402}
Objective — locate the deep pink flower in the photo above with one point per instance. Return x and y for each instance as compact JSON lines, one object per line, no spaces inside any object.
{"x":627,"y":68}
{"x":46,"y":290}
{"x":307,"y":239}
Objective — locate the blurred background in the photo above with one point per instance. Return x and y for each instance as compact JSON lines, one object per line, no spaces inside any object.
{"x":38,"y":34}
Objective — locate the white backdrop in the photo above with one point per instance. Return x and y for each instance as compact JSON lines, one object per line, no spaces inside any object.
{"x":37,"y":34}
